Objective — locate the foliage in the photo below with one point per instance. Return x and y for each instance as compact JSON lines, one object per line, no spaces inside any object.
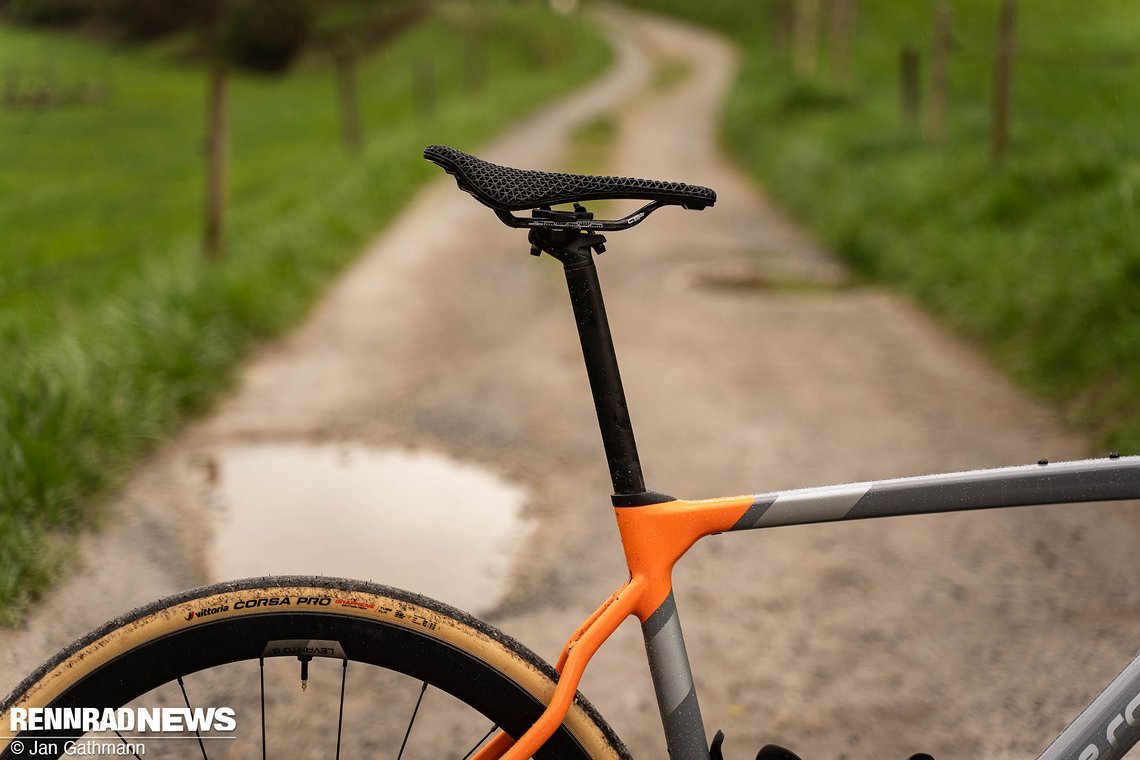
{"x":150,"y":19}
{"x":266,"y":35}
{"x":260,"y":35}
{"x":50,"y":12}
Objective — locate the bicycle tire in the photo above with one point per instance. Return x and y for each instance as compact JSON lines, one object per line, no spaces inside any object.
{"x":234,"y":622}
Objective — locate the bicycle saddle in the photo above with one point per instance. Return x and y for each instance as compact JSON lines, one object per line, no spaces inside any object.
{"x":505,"y":189}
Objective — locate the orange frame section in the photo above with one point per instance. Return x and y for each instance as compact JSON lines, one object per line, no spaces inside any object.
{"x":654,"y":538}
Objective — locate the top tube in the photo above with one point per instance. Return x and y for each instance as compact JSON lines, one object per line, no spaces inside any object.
{"x":1106,"y":479}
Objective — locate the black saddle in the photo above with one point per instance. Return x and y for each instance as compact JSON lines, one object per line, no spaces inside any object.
{"x":505,"y":190}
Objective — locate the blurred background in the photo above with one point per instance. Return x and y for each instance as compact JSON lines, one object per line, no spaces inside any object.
{"x":181,"y":182}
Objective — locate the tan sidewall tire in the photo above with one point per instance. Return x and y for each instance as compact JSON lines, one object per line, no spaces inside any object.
{"x":316,"y":596}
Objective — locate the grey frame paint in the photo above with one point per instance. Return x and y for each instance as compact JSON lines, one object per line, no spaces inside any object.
{"x":1105,"y":730}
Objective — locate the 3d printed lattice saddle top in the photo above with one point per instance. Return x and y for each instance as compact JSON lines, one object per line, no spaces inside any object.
{"x":507,"y":189}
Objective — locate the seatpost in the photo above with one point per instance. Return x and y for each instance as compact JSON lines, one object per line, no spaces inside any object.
{"x":575,"y":250}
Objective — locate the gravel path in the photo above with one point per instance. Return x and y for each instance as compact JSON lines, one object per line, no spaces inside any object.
{"x":750,"y":365}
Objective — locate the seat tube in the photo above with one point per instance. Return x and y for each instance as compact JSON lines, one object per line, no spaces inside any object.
{"x":602,"y":369}
{"x":664,"y":643}
{"x":673,"y":683}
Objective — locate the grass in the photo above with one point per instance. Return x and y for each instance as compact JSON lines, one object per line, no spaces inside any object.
{"x":1037,"y":259}
{"x":113,"y":328}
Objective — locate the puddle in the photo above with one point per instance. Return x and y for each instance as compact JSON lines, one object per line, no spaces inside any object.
{"x":411,"y":519}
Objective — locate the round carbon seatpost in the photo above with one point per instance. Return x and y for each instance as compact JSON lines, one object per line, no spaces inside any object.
{"x":602,"y":369}
{"x":601,"y":365}
{"x":575,"y":248}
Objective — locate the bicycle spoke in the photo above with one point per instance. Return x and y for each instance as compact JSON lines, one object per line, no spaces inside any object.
{"x":128,"y":745}
{"x":479,"y":743}
{"x":185,"y":698}
{"x":261,"y":663}
{"x":340,"y":715}
{"x":413,"y":720}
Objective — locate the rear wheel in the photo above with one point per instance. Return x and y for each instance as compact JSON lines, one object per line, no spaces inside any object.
{"x":311,"y":667}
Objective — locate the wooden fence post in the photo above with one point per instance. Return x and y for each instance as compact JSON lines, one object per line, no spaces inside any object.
{"x":423,"y":88}
{"x":217,"y":129}
{"x":909,"y":94}
{"x":939,"y":73}
{"x":344,"y":58}
{"x":474,"y":70}
{"x":806,"y":37}
{"x":1003,"y":81}
{"x":841,"y":31}
{"x":217,"y":150}
{"x":783,"y":26}
{"x":11,"y":87}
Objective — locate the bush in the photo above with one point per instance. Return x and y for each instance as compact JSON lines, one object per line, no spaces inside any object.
{"x":262,"y":35}
{"x":135,"y":19}
{"x":267,"y":35}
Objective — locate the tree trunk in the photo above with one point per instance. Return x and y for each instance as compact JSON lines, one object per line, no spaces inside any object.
{"x":1003,"y":80}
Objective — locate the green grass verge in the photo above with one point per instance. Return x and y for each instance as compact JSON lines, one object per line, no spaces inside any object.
{"x":1039,"y":259}
{"x":112,"y":326}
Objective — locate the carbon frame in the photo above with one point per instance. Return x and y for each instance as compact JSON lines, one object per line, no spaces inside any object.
{"x":656,"y":535}
{"x":656,"y":531}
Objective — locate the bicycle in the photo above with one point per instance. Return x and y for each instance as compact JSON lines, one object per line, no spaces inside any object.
{"x":534,"y":709}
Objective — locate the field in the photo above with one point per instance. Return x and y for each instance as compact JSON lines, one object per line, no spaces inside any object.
{"x":1036,"y":258}
{"x":113,"y":326}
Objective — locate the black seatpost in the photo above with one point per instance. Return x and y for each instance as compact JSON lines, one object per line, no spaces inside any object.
{"x":575,"y":250}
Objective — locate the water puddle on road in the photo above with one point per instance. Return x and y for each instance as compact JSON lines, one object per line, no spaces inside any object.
{"x":411,"y":519}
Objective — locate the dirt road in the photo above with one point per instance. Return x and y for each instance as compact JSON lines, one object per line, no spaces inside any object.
{"x":965,"y":636}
